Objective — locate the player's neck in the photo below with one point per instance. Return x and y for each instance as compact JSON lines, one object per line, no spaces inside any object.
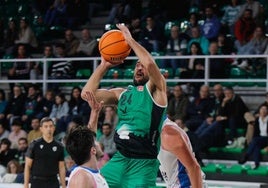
{"x":92,"y":164}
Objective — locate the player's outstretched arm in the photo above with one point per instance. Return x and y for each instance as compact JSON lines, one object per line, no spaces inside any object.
{"x":95,"y":110}
{"x":156,"y":79}
{"x":174,"y":140}
{"x":107,"y":96}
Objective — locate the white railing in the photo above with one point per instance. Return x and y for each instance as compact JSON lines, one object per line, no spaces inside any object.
{"x":44,"y":80}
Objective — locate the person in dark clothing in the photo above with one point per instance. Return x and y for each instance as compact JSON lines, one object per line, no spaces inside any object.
{"x":198,"y":110}
{"x":45,"y":159}
{"x":15,"y":105}
{"x":6,"y":154}
{"x":260,"y":138}
{"x":233,"y":108}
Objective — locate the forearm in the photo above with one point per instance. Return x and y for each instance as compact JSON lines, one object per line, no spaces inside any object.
{"x":144,"y":56}
{"x":93,"y":120}
{"x":62,"y":177}
{"x":195,"y":176}
{"x":26,"y":177}
{"x":94,"y":81}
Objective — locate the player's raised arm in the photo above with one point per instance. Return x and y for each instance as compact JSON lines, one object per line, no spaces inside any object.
{"x":156,"y":82}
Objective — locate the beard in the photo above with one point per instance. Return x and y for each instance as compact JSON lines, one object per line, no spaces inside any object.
{"x":140,"y":82}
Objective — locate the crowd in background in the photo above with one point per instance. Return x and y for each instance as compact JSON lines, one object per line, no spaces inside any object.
{"x":210,"y":29}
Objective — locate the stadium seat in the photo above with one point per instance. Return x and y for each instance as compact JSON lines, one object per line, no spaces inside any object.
{"x":128,"y":73}
{"x":210,"y":168}
{"x":261,"y":171}
{"x":83,"y":73}
{"x":114,"y":73}
{"x":234,"y":169}
{"x":168,"y":26}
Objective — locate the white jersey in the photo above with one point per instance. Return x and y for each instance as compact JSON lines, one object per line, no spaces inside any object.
{"x":99,"y":181}
{"x":172,"y":170}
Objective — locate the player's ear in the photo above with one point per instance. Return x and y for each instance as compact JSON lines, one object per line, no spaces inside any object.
{"x":93,"y":151}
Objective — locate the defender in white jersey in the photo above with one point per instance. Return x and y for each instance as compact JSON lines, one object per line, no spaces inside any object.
{"x":85,"y":151}
{"x":178,"y":165}
{"x":93,"y":175}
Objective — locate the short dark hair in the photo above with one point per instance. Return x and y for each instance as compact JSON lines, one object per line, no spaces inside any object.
{"x":22,"y":138}
{"x":46,"y":119}
{"x":79,"y":143}
{"x":17,"y":122}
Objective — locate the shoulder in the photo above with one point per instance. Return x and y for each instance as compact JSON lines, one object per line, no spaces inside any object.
{"x":81,"y":178}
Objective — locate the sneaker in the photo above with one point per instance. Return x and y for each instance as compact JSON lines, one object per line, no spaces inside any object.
{"x":241,"y":142}
{"x":233,"y":145}
{"x":235,"y":63}
{"x":243,"y":65}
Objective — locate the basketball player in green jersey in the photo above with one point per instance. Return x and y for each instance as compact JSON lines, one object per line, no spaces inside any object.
{"x":141,"y":108}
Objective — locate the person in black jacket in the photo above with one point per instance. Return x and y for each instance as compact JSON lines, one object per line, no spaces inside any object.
{"x":260,"y":138}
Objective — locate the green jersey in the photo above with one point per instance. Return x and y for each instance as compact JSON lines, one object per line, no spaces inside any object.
{"x":139,"y":123}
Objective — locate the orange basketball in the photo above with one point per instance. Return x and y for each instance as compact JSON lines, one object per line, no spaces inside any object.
{"x":113,"y":47}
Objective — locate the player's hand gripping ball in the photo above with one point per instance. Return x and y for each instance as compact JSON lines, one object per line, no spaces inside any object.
{"x":113,"y":47}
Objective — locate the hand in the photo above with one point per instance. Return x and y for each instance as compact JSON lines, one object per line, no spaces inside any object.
{"x":209,"y":120}
{"x":93,"y":103}
{"x":125,"y":31}
{"x":107,"y":64}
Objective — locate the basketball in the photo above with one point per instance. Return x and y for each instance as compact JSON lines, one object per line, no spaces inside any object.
{"x":113,"y":47}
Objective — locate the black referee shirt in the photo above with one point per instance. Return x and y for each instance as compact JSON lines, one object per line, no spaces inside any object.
{"x":46,"y":157}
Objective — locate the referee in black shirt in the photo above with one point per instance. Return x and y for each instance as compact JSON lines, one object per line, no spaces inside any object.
{"x":45,"y":159}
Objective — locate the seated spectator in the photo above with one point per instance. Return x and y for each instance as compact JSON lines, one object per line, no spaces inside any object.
{"x":253,"y":5}
{"x":26,"y":35}
{"x":60,"y":69}
{"x":57,"y":11}
{"x":176,"y":46}
{"x":22,"y":148}
{"x":31,"y":103}
{"x":211,"y":27}
{"x":152,"y":35}
{"x":59,"y":111}
{"x":211,"y":131}
{"x":256,"y":46}
{"x":225,"y":44}
{"x":4,"y":133}
{"x":193,"y":22}
{"x":11,"y":35}
{"x":44,"y":106}
{"x":16,"y":133}
{"x":15,"y":106}
{"x":198,"y":109}
{"x":6,"y":153}
{"x":234,"y":108}
{"x":195,"y":67}
{"x":244,"y":29}
{"x":88,"y":47}
{"x":217,"y":66}
{"x":264,"y":103}
{"x":110,"y":115}
{"x":78,"y":108}
{"x":13,"y":170}
{"x":197,"y":37}
{"x":135,"y":28}
{"x":230,"y":15}
{"x":107,"y":139}
{"x":35,"y":132}
{"x":3,"y":103}
{"x":176,"y":109}
{"x":71,"y":43}
{"x":23,"y":70}
{"x":259,"y":140}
